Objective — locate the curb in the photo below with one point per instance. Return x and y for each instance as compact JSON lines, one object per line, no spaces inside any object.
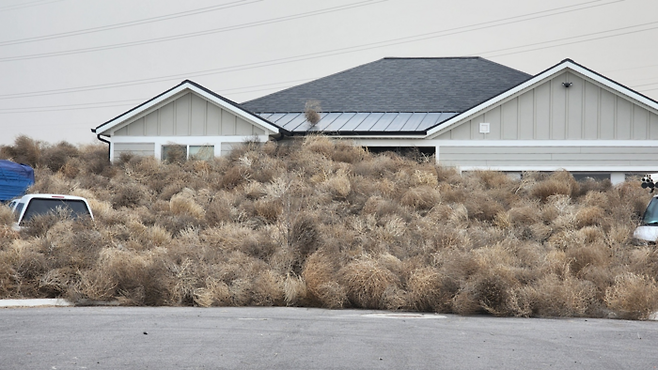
{"x":6,"y":303}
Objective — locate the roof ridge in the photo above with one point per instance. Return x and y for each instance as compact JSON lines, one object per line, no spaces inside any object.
{"x":461,"y":57}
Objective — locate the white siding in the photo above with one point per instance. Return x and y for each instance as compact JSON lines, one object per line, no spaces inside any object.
{"x":189,"y":115}
{"x":146,"y":149}
{"x":549,"y":111}
{"x":547,"y":156}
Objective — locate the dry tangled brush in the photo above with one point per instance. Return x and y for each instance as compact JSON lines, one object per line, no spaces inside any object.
{"x":322,"y":223}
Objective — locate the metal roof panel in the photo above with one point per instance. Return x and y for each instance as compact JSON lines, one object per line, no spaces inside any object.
{"x":339,"y":122}
{"x":384,"y":122}
{"x":399,"y":122}
{"x":355,"y":121}
{"x":413,"y":122}
{"x":369,"y":121}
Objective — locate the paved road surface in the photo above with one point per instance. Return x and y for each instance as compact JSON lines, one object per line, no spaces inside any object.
{"x":299,"y":338}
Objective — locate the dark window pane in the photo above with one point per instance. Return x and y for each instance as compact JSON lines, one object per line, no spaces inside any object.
{"x":174,"y":153}
{"x":43,"y":206}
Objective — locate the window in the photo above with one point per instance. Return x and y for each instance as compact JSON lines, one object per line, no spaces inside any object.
{"x":202,"y":152}
{"x":181,"y":153}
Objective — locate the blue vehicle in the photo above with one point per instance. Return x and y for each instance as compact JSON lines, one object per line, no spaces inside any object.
{"x":15,"y":178}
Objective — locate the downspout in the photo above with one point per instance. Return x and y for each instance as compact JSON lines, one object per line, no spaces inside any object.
{"x":98,"y":136}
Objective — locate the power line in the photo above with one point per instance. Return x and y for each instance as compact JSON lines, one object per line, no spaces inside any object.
{"x":68,"y":109}
{"x":118,"y":103}
{"x":27,"y":5}
{"x":573,"y":37}
{"x":130,"y":23}
{"x":193,"y":34}
{"x":272,"y":62}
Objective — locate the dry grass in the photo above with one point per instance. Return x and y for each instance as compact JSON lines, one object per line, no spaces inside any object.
{"x":319,"y":222}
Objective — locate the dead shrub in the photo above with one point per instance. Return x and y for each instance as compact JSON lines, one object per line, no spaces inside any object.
{"x":6,"y":215}
{"x":318,"y":222}
{"x":268,"y":289}
{"x":338,"y":186}
{"x":319,"y":273}
{"x":312,"y":111}
{"x":581,"y":256}
{"x":269,"y":210}
{"x":487,"y":291}
{"x":552,"y":296}
{"x":319,"y":144}
{"x":421,"y":198}
{"x":366,"y":280}
{"x":304,"y":236}
{"x":25,"y":150}
{"x":39,"y":225}
{"x":376,"y":167}
{"x":525,"y":215}
{"x":216,"y":293}
{"x":493,"y":179}
{"x":428,"y":291}
{"x":294,"y":290}
{"x":130,"y":195}
{"x":183,"y":203}
{"x":644,"y":261}
{"x":347,"y":153}
{"x":234,"y":176}
{"x":56,"y":282}
{"x":481,"y":207}
{"x":55,"y":157}
{"x":559,"y":183}
{"x":96,"y":160}
{"x":380,"y":207}
{"x":589,"y":216}
{"x":632,"y":296}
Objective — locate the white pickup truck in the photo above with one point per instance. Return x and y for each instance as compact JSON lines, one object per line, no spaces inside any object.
{"x":30,"y":205}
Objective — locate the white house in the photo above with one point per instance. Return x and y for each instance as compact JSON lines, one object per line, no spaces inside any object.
{"x":475,"y":114}
{"x":470,"y":112}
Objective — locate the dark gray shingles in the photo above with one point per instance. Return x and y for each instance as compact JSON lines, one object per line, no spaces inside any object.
{"x":399,"y":85}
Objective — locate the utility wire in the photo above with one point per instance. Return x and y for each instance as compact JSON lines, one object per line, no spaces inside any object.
{"x":505,"y":21}
{"x":130,"y":23}
{"x":631,"y":30}
{"x":27,"y":5}
{"x":192,"y":34}
{"x":115,"y":103}
{"x":272,"y":62}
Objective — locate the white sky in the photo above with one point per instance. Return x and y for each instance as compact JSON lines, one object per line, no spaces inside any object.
{"x":67,"y":66}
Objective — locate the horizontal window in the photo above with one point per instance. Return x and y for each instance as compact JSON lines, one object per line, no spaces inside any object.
{"x":181,"y":153}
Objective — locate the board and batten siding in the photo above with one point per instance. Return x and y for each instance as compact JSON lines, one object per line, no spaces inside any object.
{"x":189,"y":115}
{"x":547,"y":156}
{"x":143,"y":149}
{"x":549,"y":111}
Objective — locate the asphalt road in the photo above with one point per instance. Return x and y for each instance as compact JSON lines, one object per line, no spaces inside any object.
{"x":299,"y":338}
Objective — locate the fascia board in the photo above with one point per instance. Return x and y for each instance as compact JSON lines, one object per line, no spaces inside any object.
{"x":179,"y":90}
{"x":567,"y":64}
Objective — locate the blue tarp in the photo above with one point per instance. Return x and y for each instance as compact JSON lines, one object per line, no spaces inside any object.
{"x":15,"y":178}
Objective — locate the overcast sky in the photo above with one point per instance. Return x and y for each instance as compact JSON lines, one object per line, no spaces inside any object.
{"x":67,"y":66}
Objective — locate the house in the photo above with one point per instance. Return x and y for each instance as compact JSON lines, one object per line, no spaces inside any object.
{"x":187,"y":120}
{"x":470,"y":112}
{"x":475,"y":114}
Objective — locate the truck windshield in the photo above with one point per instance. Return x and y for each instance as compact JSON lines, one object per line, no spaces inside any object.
{"x":651,"y":214}
{"x":37,"y":206}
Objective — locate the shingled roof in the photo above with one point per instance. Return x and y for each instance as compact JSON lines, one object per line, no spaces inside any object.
{"x":398,"y":85}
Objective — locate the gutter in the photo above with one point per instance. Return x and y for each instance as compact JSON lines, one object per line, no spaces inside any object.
{"x":98,"y":136}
